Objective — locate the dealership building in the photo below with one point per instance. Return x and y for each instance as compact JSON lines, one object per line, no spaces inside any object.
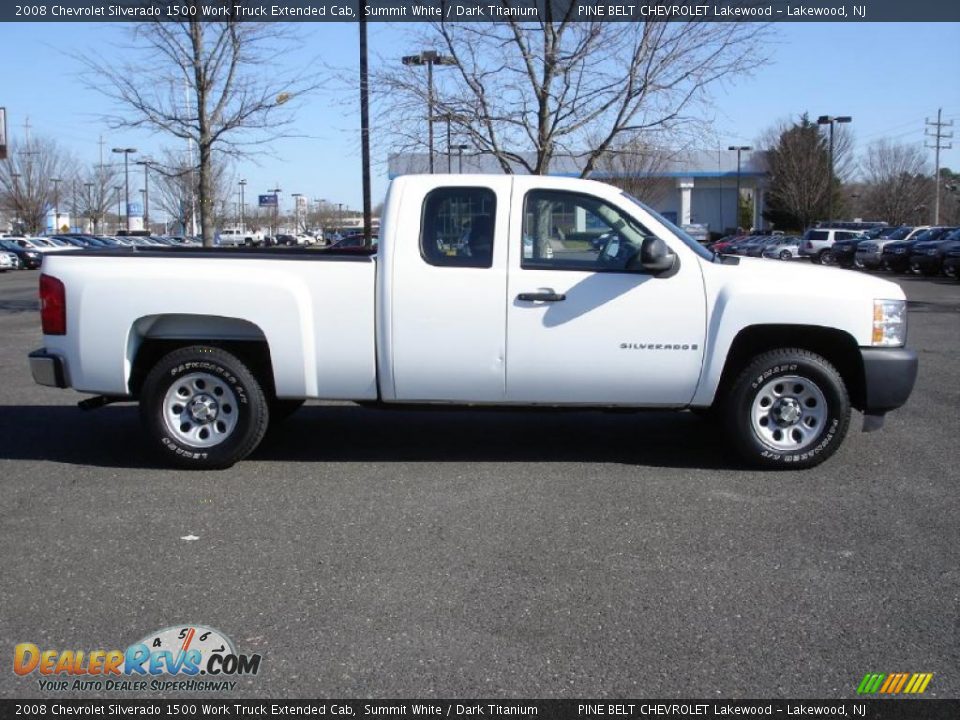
{"x":697,"y":187}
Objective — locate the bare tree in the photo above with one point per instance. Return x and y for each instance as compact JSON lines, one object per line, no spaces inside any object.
{"x":97,"y":192}
{"x":27,"y":190}
{"x":527,"y":93}
{"x":895,"y":181}
{"x":635,"y":167}
{"x":206,"y":82}
{"x":176,"y":188}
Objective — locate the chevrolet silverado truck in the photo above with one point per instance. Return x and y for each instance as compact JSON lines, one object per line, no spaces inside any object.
{"x":511,"y":291}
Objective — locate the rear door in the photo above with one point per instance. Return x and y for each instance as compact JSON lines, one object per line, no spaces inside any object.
{"x":447,"y":293}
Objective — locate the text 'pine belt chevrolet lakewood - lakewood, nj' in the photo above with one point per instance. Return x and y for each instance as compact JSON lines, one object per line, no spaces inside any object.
{"x":485,"y":290}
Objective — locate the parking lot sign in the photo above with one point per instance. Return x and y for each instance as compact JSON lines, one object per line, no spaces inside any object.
{"x":268,"y":200}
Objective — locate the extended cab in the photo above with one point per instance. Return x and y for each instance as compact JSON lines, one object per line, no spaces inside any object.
{"x":485,"y":290}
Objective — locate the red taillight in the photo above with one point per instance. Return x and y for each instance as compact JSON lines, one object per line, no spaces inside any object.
{"x":53,"y":306}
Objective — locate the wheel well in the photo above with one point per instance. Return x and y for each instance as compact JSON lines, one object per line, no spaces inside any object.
{"x":839,"y":348}
{"x":255,"y":354}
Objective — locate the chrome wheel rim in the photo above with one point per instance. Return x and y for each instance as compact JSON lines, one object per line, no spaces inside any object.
{"x":200,"y":410}
{"x":789,"y":413}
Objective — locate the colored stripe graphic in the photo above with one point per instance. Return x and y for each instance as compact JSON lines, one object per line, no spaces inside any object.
{"x":894,"y":683}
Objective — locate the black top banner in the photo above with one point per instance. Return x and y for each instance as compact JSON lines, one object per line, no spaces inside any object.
{"x":481,"y":11}
{"x":581,"y":709}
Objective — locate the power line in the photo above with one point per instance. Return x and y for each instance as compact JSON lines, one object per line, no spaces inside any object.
{"x":935,"y":130}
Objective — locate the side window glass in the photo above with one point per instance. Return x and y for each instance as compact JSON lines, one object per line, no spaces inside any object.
{"x":570,"y":231}
{"x":456,"y":227}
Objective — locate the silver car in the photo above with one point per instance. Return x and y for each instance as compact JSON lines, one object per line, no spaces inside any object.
{"x":870,"y":252}
{"x":785,"y":247}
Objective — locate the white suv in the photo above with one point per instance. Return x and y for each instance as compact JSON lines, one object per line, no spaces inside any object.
{"x":817,"y":242}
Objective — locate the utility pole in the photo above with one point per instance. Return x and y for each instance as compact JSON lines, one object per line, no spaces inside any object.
{"x":56,"y":204}
{"x":935,"y":131}
{"x":243,"y":226}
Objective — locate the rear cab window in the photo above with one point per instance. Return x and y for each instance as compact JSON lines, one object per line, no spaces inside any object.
{"x":456,"y":227}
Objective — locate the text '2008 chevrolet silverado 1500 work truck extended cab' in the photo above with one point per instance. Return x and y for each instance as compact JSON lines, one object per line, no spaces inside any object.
{"x":485,"y":290}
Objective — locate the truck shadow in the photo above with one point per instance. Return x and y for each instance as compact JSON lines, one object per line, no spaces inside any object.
{"x":111,"y":437}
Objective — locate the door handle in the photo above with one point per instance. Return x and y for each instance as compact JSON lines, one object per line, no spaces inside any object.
{"x":543,"y":296}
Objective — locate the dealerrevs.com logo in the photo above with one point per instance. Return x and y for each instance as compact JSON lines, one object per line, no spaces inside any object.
{"x":187,"y":658}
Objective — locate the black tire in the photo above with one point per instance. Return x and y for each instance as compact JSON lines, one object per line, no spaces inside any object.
{"x":223,"y":372}
{"x":785,"y":255}
{"x":812,"y":444}
{"x":825,"y":257}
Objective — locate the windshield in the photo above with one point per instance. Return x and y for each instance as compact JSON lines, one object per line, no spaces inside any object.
{"x":681,"y":234}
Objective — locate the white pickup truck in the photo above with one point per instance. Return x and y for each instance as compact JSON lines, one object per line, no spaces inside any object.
{"x":484,"y":290}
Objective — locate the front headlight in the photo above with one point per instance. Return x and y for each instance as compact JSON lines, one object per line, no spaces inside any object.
{"x":890,"y":322}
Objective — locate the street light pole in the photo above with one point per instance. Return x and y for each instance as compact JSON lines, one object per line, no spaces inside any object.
{"x":90,"y":215}
{"x":243,"y":227}
{"x":739,"y":149}
{"x":276,"y":210}
{"x":831,"y":121}
{"x":429,"y":58}
{"x":56,"y":204}
{"x":146,"y":191}
{"x":126,"y":178}
{"x":296,"y":209}
{"x":118,"y":188}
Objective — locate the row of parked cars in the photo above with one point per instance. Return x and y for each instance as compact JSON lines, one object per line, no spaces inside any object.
{"x":19,"y":252}
{"x":922,"y":250}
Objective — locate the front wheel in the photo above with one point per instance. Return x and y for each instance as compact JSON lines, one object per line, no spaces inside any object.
{"x":203,"y":409}
{"x":785,"y":255}
{"x":789,"y":408}
{"x":826,"y":257}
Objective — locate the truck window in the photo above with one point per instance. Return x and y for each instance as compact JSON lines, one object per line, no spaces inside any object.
{"x":456,"y":227}
{"x":570,"y":231}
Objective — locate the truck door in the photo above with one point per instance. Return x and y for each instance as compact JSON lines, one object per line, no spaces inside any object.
{"x":448,"y":294}
{"x":581,"y":327}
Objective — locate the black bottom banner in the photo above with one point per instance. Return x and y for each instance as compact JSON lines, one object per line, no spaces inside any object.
{"x":893,"y":709}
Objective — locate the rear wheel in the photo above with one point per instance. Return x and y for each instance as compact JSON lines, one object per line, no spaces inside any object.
{"x":785,"y":255}
{"x":202,"y":408}
{"x":825,"y":257}
{"x":789,"y":408}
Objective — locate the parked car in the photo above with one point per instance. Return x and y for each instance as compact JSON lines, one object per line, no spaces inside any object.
{"x":786,"y":247}
{"x":28,"y":259}
{"x":780,"y":352}
{"x":818,"y":243}
{"x":869,"y":252}
{"x":845,"y":251}
{"x":896,"y":255}
{"x":723,"y":244}
{"x":926,"y":258}
{"x":951,"y":262}
{"x":285,"y":239}
{"x":8,"y":261}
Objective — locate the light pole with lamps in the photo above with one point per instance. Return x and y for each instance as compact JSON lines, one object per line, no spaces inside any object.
{"x":460,"y":149}
{"x":118,"y":188}
{"x":429,"y":58}
{"x":126,"y":178}
{"x":243,"y":227}
{"x":831,"y":121}
{"x":146,"y":162}
{"x":56,"y":204}
{"x":739,"y":149}
{"x":90,"y":215}
{"x":296,"y":210}
{"x":276,"y":210}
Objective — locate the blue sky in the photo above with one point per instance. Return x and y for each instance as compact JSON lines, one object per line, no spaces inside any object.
{"x":889,"y":77}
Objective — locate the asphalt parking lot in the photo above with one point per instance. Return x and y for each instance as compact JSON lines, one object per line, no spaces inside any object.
{"x":374,"y":554}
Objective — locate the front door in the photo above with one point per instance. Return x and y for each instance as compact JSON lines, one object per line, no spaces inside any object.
{"x":581,"y":327}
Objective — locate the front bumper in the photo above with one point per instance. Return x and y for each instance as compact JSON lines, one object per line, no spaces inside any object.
{"x":48,"y":369}
{"x":888,"y":378}
{"x":869,"y":259}
{"x":927,"y":263}
{"x":896,"y":261}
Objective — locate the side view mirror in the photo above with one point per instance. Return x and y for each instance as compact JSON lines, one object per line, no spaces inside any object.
{"x":654,"y":257}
